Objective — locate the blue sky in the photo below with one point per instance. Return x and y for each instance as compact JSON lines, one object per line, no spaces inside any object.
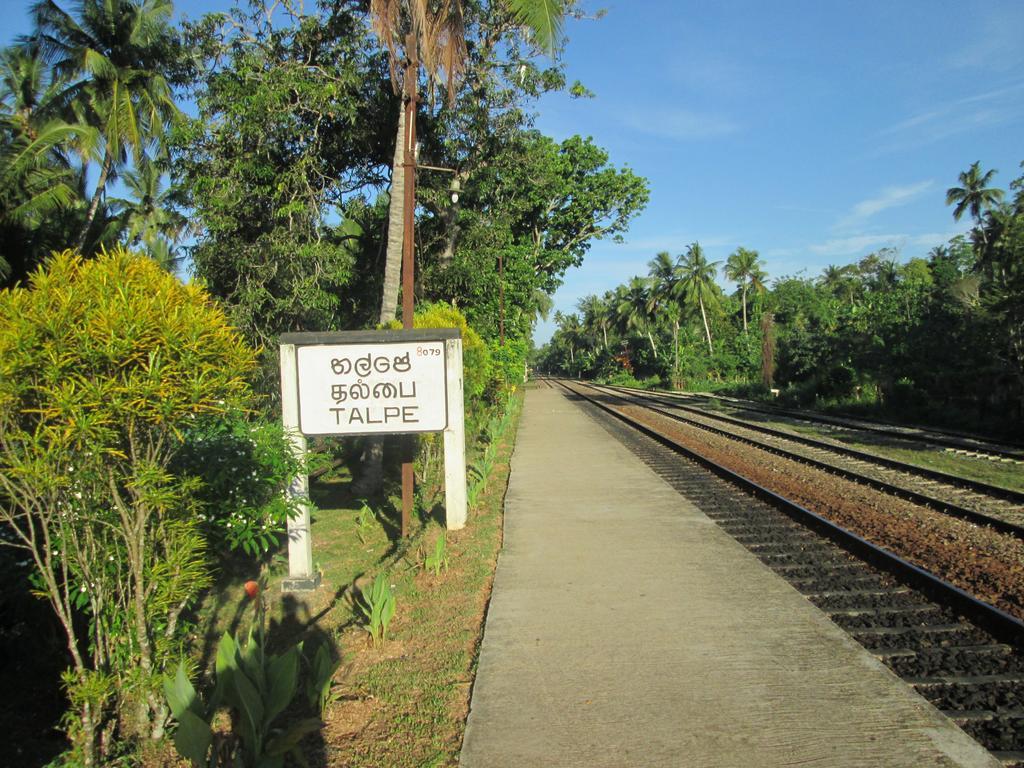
{"x":813,"y":132}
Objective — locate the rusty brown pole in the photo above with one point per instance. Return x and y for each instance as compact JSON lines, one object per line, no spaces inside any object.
{"x":408,"y":257}
{"x":501,"y":299}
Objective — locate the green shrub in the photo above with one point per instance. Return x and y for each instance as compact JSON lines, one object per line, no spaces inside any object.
{"x":509,"y":365}
{"x":105,"y":367}
{"x":244,"y":467}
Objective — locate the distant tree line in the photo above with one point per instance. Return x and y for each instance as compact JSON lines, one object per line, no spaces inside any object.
{"x":939,"y":338}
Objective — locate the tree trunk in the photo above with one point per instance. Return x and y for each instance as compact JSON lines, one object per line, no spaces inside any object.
{"x":744,"y":308}
{"x":396,"y":227}
{"x":94,"y":204}
{"x":675,"y":348}
{"x":768,"y":350}
{"x":654,"y":349}
{"x":707,"y":329}
{"x":371,"y":476}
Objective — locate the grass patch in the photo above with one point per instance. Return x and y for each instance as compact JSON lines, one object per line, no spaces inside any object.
{"x":404,"y":701}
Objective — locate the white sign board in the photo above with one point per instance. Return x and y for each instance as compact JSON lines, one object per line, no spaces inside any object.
{"x":360,"y":389}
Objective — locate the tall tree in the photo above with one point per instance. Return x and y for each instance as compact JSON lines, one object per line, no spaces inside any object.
{"x":665,"y":295}
{"x":973,"y":196}
{"x":744,"y":267}
{"x":633,"y":309}
{"x":291,"y":109}
{"x":117,"y":50}
{"x":597,"y":317}
{"x":698,"y":284}
{"x":38,"y":183}
{"x":841,"y":282}
{"x":151,"y":216}
{"x":571,"y":334}
{"x":432,"y":34}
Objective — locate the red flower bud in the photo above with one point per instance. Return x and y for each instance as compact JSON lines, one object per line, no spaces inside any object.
{"x":252,"y":588}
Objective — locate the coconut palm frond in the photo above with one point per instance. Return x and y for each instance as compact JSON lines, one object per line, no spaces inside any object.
{"x":543,"y":18}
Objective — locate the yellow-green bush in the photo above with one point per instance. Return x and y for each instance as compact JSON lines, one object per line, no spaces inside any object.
{"x":105,"y":367}
{"x":478,"y":370}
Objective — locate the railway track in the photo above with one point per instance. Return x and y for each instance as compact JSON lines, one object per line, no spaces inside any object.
{"x":961,"y":654}
{"x":981,"y":503}
{"x":953,"y":442}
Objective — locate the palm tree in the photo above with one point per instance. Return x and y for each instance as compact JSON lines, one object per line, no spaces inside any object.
{"x":150,"y":217}
{"x":414,"y":32}
{"x":596,"y":318}
{"x":974,"y":195}
{"x":37,"y":181}
{"x":633,"y":309}
{"x":571,"y":333}
{"x":744,"y":268}
{"x":117,"y":50}
{"x":665,"y":293}
{"x":839,"y":281}
{"x":698,"y":284}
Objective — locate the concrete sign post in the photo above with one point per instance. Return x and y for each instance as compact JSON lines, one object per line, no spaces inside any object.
{"x":301,"y":576}
{"x":371,"y":382}
{"x":454,"y":441}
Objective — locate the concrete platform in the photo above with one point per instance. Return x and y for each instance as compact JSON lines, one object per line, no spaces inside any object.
{"x":626,"y":629}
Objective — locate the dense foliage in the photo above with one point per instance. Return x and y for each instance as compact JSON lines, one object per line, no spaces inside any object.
{"x":84,"y":100}
{"x":933,"y":338}
{"x":108,"y":368}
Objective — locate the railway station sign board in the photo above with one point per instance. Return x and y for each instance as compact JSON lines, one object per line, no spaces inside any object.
{"x":371,"y":383}
{"x":373,"y":388}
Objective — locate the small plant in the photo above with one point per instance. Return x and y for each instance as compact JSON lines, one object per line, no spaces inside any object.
{"x":321,"y":676}
{"x":258,"y":687}
{"x":439,"y":558}
{"x":378,"y":607}
{"x":366,"y":519}
{"x":479,"y":471}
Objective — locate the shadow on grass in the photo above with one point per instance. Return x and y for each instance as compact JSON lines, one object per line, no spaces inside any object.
{"x":334,"y":494}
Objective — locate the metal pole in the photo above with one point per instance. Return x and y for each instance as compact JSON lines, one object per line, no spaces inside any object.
{"x":408,"y":257}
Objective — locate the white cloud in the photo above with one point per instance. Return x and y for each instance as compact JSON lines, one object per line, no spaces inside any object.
{"x":982,"y":110}
{"x":890,"y":197}
{"x":679,"y":124}
{"x":852,"y":246}
{"x":996,"y":43}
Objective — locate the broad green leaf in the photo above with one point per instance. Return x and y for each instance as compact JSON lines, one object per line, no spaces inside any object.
{"x":192,"y":738}
{"x":282,"y":680}
{"x":251,"y":711}
{"x":181,"y":696}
